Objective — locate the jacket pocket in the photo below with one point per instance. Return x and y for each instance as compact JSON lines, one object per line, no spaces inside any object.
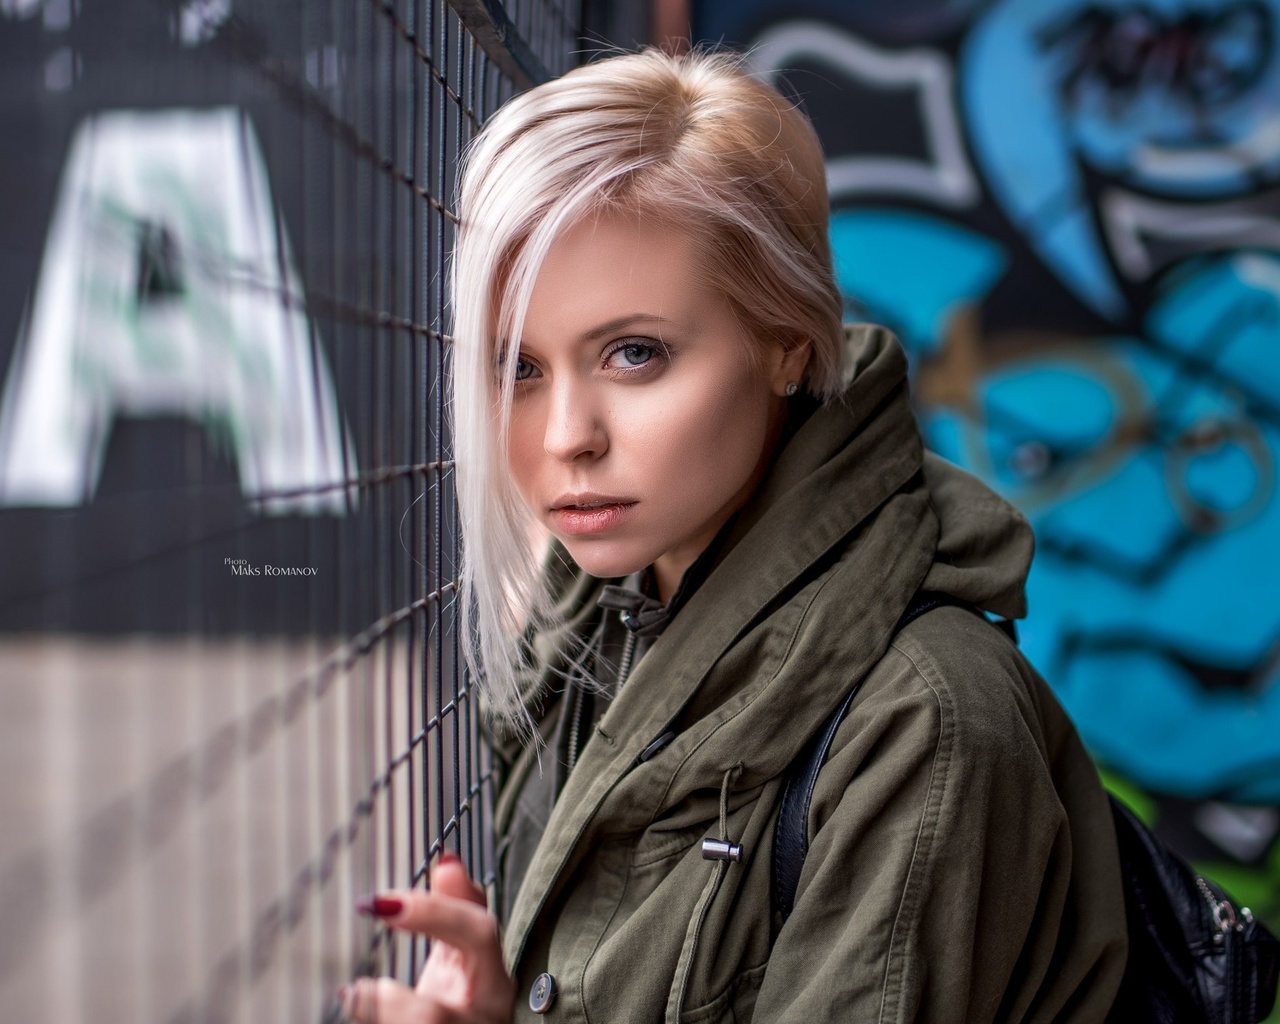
{"x":720,"y":867}
{"x":689,"y":949}
{"x":735,"y":1005}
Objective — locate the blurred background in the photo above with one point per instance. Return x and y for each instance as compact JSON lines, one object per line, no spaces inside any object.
{"x":230,"y":697}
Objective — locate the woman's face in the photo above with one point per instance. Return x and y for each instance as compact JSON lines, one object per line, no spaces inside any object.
{"x":641,"y":420}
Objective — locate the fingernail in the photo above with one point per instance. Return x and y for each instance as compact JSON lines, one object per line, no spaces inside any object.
{"x":449,"y":857}
{"x":381,"y":906}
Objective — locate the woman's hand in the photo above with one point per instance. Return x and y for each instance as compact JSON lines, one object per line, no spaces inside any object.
{"x":464,"y":980}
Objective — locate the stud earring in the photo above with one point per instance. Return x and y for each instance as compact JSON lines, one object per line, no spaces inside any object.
{"x":792,"y":388}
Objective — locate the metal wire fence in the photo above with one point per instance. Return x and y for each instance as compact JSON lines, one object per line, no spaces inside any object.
{"x":231,"y":692}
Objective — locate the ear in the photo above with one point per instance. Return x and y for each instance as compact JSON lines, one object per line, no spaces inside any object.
{"x":789,"y":365}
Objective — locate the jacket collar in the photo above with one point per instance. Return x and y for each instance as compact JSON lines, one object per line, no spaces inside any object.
{"x":641,"y":614}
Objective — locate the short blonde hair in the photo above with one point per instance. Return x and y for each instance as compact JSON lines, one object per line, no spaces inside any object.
{"x":692,"y":140}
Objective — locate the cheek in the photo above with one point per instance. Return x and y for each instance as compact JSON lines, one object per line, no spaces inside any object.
{"x":524,"y":446}
{"x":712,"y":435}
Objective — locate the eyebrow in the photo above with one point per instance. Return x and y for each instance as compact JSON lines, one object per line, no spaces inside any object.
{"x":624,"y":321}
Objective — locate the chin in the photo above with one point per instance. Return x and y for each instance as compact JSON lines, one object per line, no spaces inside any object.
{"x":605,"y":560}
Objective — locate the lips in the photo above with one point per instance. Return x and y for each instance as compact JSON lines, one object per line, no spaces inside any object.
{"x":588,"y":500}
{"x":581,"y":515}
{"x":589,"y":506}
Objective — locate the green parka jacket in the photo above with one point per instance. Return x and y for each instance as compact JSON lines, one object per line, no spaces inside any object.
{"x":962,"y":862}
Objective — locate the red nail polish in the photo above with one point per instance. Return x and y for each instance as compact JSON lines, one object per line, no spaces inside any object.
{"x":381,"y":906}
{"x":449,"y":857}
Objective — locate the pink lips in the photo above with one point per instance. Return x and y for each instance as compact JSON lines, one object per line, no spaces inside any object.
{"x":580,"y":515}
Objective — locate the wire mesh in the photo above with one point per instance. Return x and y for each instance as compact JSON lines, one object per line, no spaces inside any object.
{"x":231,"y":690}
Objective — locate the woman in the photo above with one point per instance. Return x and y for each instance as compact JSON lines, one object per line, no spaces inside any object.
{"x":649,"y":364}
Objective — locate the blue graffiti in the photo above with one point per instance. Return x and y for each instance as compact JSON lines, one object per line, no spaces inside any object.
{"x":1152,"y":495}
{"x":1168,"y":97}
{"x":911,"y":271}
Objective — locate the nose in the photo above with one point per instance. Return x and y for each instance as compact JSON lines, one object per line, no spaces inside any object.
{"x":576,"y":428}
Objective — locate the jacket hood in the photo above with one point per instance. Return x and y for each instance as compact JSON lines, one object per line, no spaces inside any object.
{"x":984,"y":545}
{"x":802,"y":601}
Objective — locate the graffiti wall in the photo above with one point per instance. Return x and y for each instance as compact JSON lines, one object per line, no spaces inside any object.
{"x":194,"y":296}
{"x":1070,"y":213}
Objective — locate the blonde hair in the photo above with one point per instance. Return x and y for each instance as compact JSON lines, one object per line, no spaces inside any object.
{"x":691,"y":140}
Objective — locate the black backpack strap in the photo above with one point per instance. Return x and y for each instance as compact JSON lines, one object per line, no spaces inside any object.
{"x":791,"y":831}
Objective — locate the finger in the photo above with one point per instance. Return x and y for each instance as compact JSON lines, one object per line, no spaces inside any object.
{"x":376,"y":1001}
{"x":449,"y":877}
{"x":461,"y":922}
{"x":383,"y":1001}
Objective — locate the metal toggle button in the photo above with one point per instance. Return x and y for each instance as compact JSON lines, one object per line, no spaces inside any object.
{"x":721,"y":849}
{"x":542,"y":993}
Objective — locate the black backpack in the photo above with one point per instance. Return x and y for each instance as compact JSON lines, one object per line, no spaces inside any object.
{"x":1193,"y":957}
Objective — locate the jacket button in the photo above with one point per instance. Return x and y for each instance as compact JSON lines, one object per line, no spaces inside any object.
{"x":542,"y":994}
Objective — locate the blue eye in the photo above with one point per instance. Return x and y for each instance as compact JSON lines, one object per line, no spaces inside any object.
{"x":524,"y":369}
{"x":637,"y":355}
{"x":631,"y":355}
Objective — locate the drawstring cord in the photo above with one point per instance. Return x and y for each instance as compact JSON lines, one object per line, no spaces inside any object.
{"x":724,"y":848}
{"x":724,"y":851}
{"x":730,"y":777}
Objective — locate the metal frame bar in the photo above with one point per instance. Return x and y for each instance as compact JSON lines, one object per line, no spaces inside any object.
{"x":488,"y":23}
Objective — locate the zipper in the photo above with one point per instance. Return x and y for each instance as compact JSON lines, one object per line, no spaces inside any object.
{"x":624,"y":664}
{"x":580,"y":698}
{"x":1224,"y":913}
{"x":1226,"y":921}
{"x":624,"y":670}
